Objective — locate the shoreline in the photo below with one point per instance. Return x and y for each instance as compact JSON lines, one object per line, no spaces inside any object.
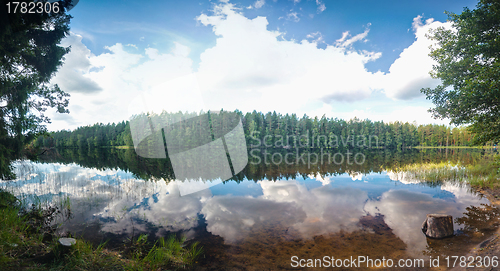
{"x":491,"y":246}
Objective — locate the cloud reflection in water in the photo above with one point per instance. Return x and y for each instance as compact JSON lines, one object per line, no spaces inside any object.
{"x":123,"y":204}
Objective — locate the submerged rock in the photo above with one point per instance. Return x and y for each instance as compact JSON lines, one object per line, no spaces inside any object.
{"x":438,"y":226}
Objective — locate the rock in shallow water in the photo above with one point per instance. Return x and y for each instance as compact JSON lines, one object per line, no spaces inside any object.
{"x":438,"y":226}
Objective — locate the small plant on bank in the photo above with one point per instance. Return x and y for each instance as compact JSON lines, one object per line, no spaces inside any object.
{"x":165,"y":253}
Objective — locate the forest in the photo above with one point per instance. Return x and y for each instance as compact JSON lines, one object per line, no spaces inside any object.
{"x":267,"y":129}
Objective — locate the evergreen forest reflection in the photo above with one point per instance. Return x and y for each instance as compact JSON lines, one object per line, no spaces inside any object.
{"x":261,"y":164}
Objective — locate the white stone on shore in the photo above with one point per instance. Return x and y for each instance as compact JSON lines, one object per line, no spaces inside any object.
{"x":67,"y":241}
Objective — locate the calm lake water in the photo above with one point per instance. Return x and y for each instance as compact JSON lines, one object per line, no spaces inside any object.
{"x":266,"y":214}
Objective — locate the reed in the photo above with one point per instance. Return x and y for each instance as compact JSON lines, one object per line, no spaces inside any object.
{"x":485,"y":173}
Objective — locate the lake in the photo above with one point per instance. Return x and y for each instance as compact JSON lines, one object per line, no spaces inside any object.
{"x":270,"y":212}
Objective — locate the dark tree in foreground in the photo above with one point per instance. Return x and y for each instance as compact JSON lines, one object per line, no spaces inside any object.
{"x":29,"y":57}
{"x":468,"y":60}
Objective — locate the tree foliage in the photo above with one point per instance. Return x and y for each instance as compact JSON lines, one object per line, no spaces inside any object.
{"x":276,"y":130}
{"x":29,"y":56}
{"x":468,"y":57}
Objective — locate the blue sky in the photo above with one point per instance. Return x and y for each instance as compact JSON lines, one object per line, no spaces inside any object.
{"x":336,"y":58}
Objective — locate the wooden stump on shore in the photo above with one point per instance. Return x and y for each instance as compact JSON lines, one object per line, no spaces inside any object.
{"x":438,"y":226}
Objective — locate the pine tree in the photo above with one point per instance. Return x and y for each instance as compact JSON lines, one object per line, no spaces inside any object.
{"x":29,"y":56}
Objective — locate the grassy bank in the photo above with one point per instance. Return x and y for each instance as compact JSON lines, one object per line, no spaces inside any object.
{"x":485,"y":173}
{"x":453,"y":147}
{"x":28,"y":242}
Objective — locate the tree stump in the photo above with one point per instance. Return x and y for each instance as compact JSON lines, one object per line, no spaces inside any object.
{"x":438,"y":226}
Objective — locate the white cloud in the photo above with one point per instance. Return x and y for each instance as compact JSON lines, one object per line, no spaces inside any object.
{"x":327,"y":209}
{"x":321,"y":6}
{"x":121,"y":76}
{"x":318,"y":211}
{"x":356,"y":176}
{"x":67,"y":118}
{"x":259,"y":3}
{"x":404,"y":113}
{"x":292,"y":16}
{"x":72,"y":76}
{"x":410,"y":72}
{"x":250,"y":68}
{"x":313,"y":35}
{"x":326,"y":180}
{"x":344,"y":42}
{"x":235,"y":221}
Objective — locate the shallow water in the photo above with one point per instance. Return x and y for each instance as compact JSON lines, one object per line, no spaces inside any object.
{"x":261,"y":224}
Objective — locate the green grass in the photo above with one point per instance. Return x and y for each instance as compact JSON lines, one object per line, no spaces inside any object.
{"x":485,"y":173}
{"x":27,"y":242}
{"x":452,"y":147}
{"x":123,"y":147}
{"x":164,"y":253}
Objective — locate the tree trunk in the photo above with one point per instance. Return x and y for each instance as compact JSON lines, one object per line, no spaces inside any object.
{"x":438,"y":226}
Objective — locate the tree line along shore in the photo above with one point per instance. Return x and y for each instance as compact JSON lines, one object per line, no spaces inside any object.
{"x":268,"y":129}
